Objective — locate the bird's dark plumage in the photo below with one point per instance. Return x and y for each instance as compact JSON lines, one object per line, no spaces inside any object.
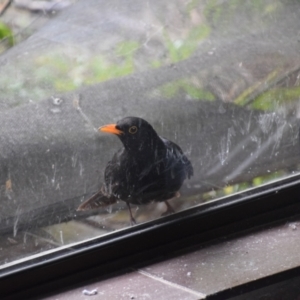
{"x":147,"y":168}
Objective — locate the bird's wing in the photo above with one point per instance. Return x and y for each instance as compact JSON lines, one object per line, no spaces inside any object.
{"x":176,"y":156}
{"x":106,"y":195}
{"x":114,"y":175}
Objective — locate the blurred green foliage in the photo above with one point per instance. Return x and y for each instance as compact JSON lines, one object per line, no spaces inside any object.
{"x":62,"y":72}
{"x":57,"y":72}
{"x":276,"y":97}
{"x":242,"y":186}
{"x":185,"y":87}
{"x":6,"y":34}
{"x":220,"y":14}
{"x":267,"y":95}
{"x":52,"y":69}
{"x":183,"y":49}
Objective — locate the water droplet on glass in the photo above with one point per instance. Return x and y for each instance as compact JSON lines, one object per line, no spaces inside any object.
{"x":55,"y":110}
{"x":56,"y":101}
{"x":61,"y":237}
{"x":109,"y":209}
{"x":222,"y":109}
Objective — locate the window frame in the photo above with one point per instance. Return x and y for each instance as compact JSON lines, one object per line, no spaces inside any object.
{"x":154,"y":240}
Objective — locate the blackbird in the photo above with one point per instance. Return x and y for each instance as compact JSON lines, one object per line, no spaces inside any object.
{"x":147,"y":168}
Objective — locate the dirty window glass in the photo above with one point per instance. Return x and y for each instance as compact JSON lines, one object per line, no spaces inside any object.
{"x":218,"y":78}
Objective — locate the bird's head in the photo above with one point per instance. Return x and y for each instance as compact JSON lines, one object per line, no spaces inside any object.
{"x":135,"y":133}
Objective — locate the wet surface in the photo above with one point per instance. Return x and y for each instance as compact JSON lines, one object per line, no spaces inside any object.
{"x":133,"y":285}
{"x":208,"y":269}
{"x":234,"y":262}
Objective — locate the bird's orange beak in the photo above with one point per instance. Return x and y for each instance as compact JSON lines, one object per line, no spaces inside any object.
{"x":111,"y":128}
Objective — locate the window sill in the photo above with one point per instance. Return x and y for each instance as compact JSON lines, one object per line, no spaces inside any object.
{"x":216,"y":270}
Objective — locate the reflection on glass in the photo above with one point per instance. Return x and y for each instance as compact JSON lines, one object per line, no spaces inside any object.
{"x":221,"y":80}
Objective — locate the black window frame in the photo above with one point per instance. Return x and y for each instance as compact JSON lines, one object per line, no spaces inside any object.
{"x":154,"y":240}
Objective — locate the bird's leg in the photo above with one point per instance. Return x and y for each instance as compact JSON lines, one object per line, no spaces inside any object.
{"x":132,"y":220}
{"x":170,"y":209}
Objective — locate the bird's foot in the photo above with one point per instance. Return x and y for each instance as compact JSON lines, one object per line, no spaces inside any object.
{"x":132,"y":221}
{"x":170,"y":209}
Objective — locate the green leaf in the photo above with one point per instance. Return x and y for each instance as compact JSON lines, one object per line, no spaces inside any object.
{"x":6,"y":33}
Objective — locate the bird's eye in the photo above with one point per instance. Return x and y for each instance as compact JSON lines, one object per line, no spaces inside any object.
{"x":133,"y":129}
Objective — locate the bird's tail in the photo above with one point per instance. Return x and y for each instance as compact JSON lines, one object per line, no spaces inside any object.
{"x":96,"y":201}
